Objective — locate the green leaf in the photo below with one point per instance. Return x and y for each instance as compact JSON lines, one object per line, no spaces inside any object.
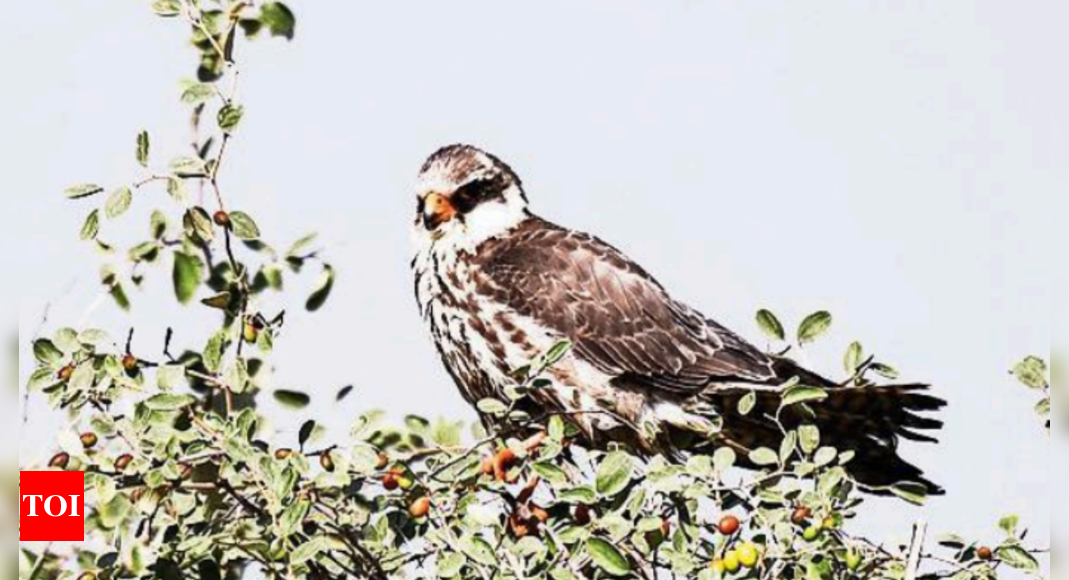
{"x":198,"y":224}
{"x":230,"y":116}
{"x":167,"y":402}
{"x":187,"y":276}
{"x":177,"y":190}
{"x":809,"y":436}
{"x":615,"y":474}
{"x":855,"y":355}
{"x":724,"y":459}
{"x":450,"y":565}
{"x":551,"y":473}
{"x":91,"y":227}
{"x":764,"y":457}
{"x":46,"y":353}
{"x":1043,"y":408}
{"x":167,"y":8}
{"x":886,"y":371}
{"x":478,"y":550}
{"x":118,"y":202}
{"x":557,"y":353}
{"x":1009,"y":525}
{"x":771,"y":325}
{"x":322,"y":290}
{"x":1017,"y":557}
{"x":606,"y":557}
{"x":189,"y":167}
{"x":279,"y":19}
{"x":799,"y":394}
{"x":244,"y":226}
{"x":292,"y":399}
{"x":914,"y":493}
{"x":814,"y":326}
{"x":213,"y":351}
{"x":747,"y":404}
{"x":1032,"y":372}
{"x":292,"y":518}
{"x":196,"y":93}
{"x":492,"y":407}
{"x":142,"y":151}
{"x":82,"y":191}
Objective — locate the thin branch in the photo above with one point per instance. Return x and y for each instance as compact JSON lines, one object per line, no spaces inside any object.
{"x":916,"y":549}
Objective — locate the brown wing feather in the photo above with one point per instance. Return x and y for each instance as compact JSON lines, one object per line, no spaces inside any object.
{"x":618,"y":317}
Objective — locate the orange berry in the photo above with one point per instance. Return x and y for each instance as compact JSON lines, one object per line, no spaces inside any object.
{"x":801,"y":516}
{"x":89,"y":440}
{"x":283,"y":454}
{"x":129,"y":363}
{"x":986,"y":554}
{"x":65,"y":373}
{"x":420,"y":508}
{"x":503,"y":462}
{"x":221,"y":219}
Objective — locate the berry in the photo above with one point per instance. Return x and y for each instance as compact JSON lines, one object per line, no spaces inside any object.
{"x":389,"y":481}
{"x":65,"y":373}
{"x":749,"y":555}
{"x":129,"y":363}
{"x":420,"y":508}
{"x":503,"y":462}
{"x":221,"y":219}
{"x":801,"y":516}
{"x":60,"y":461}
{"x":251,"y":333}
{"x":985,"y":554}
{"x":732,"y":563}
{"x":582,"y":515}
{"x":718,"y":567}
{"x":853,"y":561}
{"x":88,"y":576}
{"x":382,"y":462}
{"x":89,"y":440}
{"x":813,"y":533}
{"x":327,"y":462}
{"x":123,"y":462}
{"x":729,"y":526}
{"x":283,"y":454}
{"x":831,"y":523}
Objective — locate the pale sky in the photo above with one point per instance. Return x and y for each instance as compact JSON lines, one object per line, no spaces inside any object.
{"x":895,"y":163}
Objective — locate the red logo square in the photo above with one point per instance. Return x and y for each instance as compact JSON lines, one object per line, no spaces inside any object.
{"x":51,"y":506}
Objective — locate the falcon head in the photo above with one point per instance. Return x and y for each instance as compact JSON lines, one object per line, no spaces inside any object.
{"x":466,"y":196}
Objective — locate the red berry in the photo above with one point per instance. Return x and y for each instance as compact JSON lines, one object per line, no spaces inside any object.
{"x":801,"y":516}
{"x":60,"y":461}
{"x":389,"y":481}
{"x":129,"y":362}
{"x":123,"y":462}
{"x":221,"y":219}
{"x":729,"y":526}
{"x":986,"y":554}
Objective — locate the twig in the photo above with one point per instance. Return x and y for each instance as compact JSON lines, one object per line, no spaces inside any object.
{"x":916,"y":549}
{"x":40,"y":564}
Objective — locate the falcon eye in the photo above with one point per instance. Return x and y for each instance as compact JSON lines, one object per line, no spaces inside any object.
{"x":470,"y":195}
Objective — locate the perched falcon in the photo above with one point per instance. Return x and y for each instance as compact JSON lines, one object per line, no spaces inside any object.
{"x":499,"y":286}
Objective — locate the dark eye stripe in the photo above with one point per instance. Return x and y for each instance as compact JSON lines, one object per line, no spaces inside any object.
{"x":471,"y":195}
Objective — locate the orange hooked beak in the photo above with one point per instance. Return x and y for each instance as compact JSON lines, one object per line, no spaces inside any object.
{"x":437,"y":210}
